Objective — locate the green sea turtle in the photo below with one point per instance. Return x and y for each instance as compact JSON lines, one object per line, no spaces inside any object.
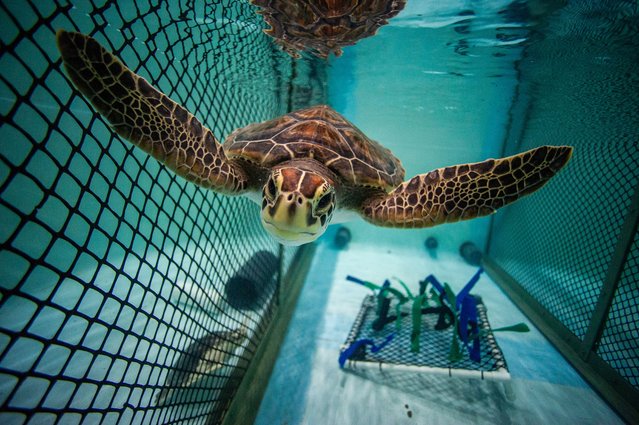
{"x":324,"y":26}
{"x":306,"y":168}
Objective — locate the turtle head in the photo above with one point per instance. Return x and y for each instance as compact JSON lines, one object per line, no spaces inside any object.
{"x":297,"y":205}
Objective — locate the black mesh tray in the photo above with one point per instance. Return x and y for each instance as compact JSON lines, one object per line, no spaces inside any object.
{"x":434,"y":347}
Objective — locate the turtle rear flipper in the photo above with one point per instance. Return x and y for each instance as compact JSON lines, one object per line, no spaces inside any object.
{"x":146,"y":117}
{"x":465,"y":191}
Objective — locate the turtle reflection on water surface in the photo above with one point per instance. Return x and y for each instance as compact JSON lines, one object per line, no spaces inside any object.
{"x":306,"y":169}
{"x":324,"y":26}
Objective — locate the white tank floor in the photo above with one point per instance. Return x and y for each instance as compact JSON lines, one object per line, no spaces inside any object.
{"x":308,"y":387}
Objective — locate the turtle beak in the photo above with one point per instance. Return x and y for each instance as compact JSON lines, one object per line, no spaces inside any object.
{"x":290,"y":219}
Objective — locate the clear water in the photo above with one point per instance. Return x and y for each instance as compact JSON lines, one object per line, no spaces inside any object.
{"x":444,"y":83}
{"x":110,"y":266}
{"x":440,"y":89}
{"x":434,"y":87}
{"x":459,"y":82}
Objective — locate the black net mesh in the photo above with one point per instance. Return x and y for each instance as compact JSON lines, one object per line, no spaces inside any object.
{"x":619,"y":344}
{"x":577,"y":87}
{"x":127,"y":294}
{"x":434,"y":345}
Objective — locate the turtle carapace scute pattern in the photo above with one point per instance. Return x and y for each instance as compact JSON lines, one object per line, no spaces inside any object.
{"x":305,"y":169}
{"x":324,"y":26}
{"x":321,"y":134}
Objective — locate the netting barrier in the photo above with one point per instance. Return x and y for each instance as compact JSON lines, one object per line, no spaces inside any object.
{"x":618,"y":345}
{"x":577,"y":87}
{"x":129,"y":295}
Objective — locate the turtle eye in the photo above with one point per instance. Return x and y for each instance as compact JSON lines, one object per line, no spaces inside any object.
{"x":324,"y":202}
{"x":270,"y":189}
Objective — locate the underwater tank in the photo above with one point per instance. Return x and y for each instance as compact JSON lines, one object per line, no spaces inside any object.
{"x":130,"y":295}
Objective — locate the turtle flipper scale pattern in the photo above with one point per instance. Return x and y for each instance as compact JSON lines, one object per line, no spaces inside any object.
{"x":146,"y":117}
{"x":465,"y":191}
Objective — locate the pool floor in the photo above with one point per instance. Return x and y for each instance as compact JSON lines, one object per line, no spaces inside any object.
{"x":308,"y":387}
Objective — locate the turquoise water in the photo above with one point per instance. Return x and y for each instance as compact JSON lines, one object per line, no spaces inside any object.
{"x":434,"y":87}
{"x":455,"y":83}
{"x":112,"y":267}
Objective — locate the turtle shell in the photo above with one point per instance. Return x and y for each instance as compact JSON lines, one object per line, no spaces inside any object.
{"x":321,"y":134}
{"x":324,"y":26}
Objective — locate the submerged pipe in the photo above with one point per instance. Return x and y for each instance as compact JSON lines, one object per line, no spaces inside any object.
{"x":253,"y":284}
{"x":471,"y":253}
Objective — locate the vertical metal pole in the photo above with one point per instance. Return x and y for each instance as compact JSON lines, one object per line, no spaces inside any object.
{"x":280,"y":272}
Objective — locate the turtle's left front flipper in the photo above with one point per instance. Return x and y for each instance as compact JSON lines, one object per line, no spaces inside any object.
{"x":465,"y":191}
{"x":146,"y":117}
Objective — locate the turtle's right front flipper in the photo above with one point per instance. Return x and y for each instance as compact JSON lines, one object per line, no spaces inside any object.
{"x":465,"y":191}
{"x":147,"y":117}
